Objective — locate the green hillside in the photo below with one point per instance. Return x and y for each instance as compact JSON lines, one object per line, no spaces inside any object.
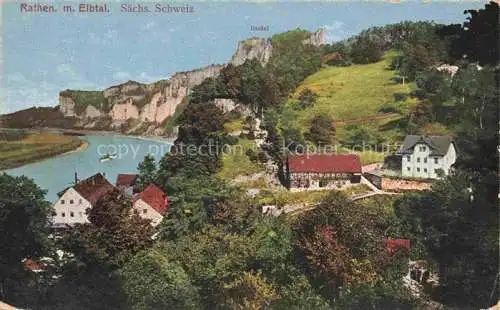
{"x":353,"y":94}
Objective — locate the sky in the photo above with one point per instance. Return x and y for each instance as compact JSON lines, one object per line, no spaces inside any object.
{"x":44,"y":53}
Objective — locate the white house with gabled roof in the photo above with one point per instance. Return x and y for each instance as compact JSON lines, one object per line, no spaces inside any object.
{"x":427,"y":157}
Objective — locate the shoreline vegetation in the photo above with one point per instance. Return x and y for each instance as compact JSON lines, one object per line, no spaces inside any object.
{"x":21,"y":148}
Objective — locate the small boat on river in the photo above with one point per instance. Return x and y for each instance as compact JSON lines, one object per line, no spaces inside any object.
{"x":108,"y":157}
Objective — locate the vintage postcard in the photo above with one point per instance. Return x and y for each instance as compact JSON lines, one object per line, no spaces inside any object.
{"x":249,"y":154}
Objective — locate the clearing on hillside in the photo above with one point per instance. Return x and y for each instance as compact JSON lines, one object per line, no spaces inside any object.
{"x":355,"y":95}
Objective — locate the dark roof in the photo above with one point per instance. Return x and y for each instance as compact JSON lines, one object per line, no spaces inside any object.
{"x":126,"y":179}
{"x":154,"y":197}
{"x":325,"y":163}
{"x":93,"y":188}
{"x":439,"y":144}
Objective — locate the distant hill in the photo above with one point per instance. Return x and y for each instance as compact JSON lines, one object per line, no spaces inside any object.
{"x":37,"y":117}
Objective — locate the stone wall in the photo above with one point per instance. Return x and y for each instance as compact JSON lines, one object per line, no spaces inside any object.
{"x":396,"y":185}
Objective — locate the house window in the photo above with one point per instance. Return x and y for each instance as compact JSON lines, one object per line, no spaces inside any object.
{"x":408,"y":158}
{"x":63,"y":214}
{"x":145,"y":211}
{"x":422,"y":148}
{"x":71,"y":202}
{"x":71,"y":214}
{"x":436,"y":160}
{"x":135,"y":211}
{"x":436,"y":171}
{"x":425,"y":170}
{"x":425,"y":160}
{"x":408,"y":168}
{"x":62,"y":201}
{"x":322,"y":183}
{"x":418,"y":159}
{"x":418,"y":169}
{"x":80,"y":201}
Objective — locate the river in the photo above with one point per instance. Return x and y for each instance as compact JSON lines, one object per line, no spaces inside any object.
{"x":57,"y":173}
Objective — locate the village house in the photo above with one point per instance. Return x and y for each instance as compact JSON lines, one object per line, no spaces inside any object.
{"x":126,"y":183}
{"x":151,"y":204}
{"x":427,"y":157}
{"x":323,"y":171}
{"x":73,"y":202}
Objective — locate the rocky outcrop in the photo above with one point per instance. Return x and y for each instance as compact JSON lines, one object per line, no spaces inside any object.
{"x":156,"y":102}
{"x":153,"y":102}
{"x":262,"y":48}
{"x":226,"y":105}
{"x":93,"y":112}
{"x":316,"y":38}
{"x":67,"y":106}
{"x":254,"y":48}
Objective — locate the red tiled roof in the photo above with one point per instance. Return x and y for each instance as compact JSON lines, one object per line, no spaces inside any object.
{"x":32,"y":265}
{"x":325,"y":163}
{"x":93,"y":188}
{"x":393,"y":244}
{"x":126,"y":179}
{"x":154,"y":197}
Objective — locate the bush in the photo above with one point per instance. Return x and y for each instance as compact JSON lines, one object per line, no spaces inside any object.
{"x":418,"y":93}
{"x":388,"y":109}
{"x":400,"y":96}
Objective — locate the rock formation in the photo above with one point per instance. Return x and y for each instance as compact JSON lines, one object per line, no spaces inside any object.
{"x":156,"y":102}
{"x":259,"y":48}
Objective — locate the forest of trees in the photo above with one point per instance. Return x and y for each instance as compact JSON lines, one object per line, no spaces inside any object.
{"x":215,"y":250}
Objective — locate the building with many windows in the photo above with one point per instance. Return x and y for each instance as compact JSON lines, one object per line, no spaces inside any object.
{"x":323,"y":171}
{"x":427,"y":157}
{"x":73,"y":202}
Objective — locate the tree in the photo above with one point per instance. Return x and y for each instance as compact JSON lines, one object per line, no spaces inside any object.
{"x":250,"y":291}
{"x":199,"y":123}
{"x":252,"y":79}
{"x":230,"y":76}
{"x":419,"y":116}
{"x":322,"y":131}
{"x":467,"y":263}
{"x":208,"y":90}
{"x":342,"y":242}
{"x":147,"y":173}
{"x":151,"y":281}
{"x":366,"y":49}
{"x":436,"y":87}
{"x":113,"y":235}
{"x":24,"y":229}
{"x":307,"y":98}
{"x":480,"y":34}
{"x":327,"y":259}
{"x":358,"y":135}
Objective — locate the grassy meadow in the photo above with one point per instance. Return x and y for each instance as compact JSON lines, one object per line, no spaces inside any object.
{"x":354,"y":95}
{"x":28,"y":148}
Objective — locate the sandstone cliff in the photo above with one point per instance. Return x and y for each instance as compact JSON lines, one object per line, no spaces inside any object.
{"x":259,"y":48}
{"x":154,"y":103}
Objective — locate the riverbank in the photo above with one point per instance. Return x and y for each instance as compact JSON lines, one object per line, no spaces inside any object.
{"x":85,"y":132}
{"x":35,"y":147}
{"x":82,"y":147}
